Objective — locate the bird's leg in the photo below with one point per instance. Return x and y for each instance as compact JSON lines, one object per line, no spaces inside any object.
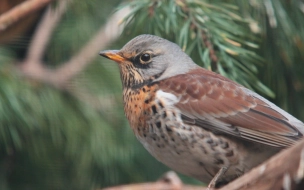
{"x":217,"y":176}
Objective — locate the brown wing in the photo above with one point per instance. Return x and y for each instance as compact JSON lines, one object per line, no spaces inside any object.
{"x":216,"y":103}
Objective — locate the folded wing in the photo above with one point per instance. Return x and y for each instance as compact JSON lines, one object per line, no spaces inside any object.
{"x":213,"y":102}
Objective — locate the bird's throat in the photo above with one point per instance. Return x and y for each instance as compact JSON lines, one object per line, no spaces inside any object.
{"x":137,"y":104}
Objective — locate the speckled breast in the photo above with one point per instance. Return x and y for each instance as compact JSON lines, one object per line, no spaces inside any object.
{"x":137,"y":103}
{"x":187,"y":149}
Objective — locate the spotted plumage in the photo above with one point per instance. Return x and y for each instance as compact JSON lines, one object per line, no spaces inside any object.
{"x":195,"y":121}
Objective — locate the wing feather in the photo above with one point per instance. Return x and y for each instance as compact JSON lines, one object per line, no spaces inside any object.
{"x":216,"y":103}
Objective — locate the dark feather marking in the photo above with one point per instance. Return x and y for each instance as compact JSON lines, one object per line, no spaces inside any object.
{"x":154,"y":109}
{"x":158,"y":124}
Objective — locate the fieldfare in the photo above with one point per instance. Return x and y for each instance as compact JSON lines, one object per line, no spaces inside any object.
{"x":195,"y":121}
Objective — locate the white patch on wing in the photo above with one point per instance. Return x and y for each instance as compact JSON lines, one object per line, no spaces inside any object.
{"x":168,"y":98}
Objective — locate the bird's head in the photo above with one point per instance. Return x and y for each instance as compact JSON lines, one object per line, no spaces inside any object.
{"x":148,"y":58}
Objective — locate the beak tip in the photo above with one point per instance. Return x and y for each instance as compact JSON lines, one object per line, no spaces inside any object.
{"x":102,"y":53}
{"x":112,"y":55}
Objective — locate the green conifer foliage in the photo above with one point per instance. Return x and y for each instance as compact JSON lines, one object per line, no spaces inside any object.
{"x":53,"y":138}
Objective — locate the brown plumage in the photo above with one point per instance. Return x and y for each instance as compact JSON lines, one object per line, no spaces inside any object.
{"x":193,"y":120}
{"x":206,"y":96}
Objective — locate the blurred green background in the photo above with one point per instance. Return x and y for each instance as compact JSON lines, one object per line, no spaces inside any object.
{"x":76,"y":136}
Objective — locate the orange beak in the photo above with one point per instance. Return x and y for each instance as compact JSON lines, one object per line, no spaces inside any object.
{"x":113,"y":55}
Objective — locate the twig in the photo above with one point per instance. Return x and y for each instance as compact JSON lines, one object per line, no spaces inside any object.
{"x":32,"y":66}
{"x":154,"y":186}
{"x":44,"y":32}
{"x":25,"y":8}
{"x":170,"y":181}
{"x":106,"y":35}
{"x":61,"y":76}
{"x":212,"y":53}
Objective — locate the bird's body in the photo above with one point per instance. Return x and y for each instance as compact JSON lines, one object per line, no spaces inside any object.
{"x":193,"y":120}
{"x":185,"y":148}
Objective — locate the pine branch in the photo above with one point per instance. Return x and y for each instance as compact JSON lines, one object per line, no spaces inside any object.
{"x":280,"y":24}
{"x":214,"y":34}
{"x":20,"y":11}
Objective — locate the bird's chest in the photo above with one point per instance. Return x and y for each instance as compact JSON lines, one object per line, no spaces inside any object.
{"x":139,"y":107}
{"x":157,"y":123}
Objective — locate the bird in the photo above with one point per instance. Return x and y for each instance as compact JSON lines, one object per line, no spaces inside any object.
{"x":195,"y":121}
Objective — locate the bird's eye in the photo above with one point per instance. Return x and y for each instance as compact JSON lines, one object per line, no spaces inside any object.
{"x":145,"y":57}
